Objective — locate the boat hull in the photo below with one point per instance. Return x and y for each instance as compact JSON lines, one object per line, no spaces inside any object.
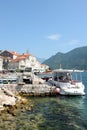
{"x":67,"y":88}
{"x":72,"y":92}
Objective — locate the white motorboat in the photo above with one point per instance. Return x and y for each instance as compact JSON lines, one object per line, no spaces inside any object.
{"x":64,"y":83}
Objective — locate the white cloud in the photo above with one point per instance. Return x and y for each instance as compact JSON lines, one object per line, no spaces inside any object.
{"x":54,"y":37}
{"x":74,"y":42}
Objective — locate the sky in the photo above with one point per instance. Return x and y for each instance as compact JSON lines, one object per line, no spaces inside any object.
{"x":43,"y":27}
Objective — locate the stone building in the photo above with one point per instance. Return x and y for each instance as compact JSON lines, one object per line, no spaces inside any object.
{"x":27,"y":61}
{"x":10,"y":54}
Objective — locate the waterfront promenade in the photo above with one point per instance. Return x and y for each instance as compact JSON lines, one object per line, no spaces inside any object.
{"x":10,"y":93}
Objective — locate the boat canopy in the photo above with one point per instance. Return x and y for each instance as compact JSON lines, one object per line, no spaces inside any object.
{"x":62,"y":70}
{"x":67,"y":70}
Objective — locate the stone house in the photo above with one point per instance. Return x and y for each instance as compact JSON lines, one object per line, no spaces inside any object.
{"x":27,"y":61}
{"x":15,"y":61}
{"x":23,"y":61}
{"x":44,"y":67}
{"x":7,"y":57}
{"x":10,"y":54}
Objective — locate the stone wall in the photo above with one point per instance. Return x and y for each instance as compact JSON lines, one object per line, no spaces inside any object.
{"x":33,"y":90}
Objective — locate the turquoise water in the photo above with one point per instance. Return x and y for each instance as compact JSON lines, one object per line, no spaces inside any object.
{"x":62,"y":112}
{"x":52,"y":113}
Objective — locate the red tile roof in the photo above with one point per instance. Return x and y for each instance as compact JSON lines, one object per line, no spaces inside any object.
{"x":21,"y":57}
{"x":18,"y":59}
{"x":44,"y":65}
{"x":26,"y":55}
{"x":14,"y":53}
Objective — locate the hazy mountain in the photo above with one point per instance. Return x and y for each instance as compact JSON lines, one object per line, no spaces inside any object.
{"x":74,"y":59}
{"x":41,"y":60}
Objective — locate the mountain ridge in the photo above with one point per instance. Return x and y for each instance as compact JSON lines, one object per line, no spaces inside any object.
{"x":74,"y":59}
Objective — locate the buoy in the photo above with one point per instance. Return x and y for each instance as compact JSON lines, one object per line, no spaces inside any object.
{"x":57,"y":90}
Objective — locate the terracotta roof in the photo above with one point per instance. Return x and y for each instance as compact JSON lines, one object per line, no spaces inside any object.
{"x":25,"y":55}
{"x":44,"y":65}
{"x":18,"y":59}
{"x":14,"y":53}
{"x":21,"y":57}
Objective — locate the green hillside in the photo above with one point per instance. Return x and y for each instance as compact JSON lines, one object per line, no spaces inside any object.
{"x":74,"y":59}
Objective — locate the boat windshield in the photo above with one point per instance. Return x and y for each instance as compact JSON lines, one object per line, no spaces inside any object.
{"x":62,"y":76}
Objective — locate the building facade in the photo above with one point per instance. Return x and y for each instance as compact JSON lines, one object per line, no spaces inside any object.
{"x":1,"y":63}
{"x":27,"y":61}
{"x":10,"y":54}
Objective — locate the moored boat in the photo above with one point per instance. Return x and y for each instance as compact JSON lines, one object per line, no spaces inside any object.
{"x":65,"y":85}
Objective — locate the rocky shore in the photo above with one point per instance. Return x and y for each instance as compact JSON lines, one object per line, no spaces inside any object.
{"x":10,"y":94}
{"x":11,"y":105}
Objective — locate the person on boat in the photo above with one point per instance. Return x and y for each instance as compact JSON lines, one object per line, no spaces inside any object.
{"x":68,"y":77}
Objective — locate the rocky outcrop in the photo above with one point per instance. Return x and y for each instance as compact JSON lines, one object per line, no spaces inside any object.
{"x":8,"y":97}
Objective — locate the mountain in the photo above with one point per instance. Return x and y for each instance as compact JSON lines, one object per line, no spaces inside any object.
{"x":41,"y":60}
{"x":74,"y":59}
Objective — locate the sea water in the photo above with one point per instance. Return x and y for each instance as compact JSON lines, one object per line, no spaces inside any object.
{"x":53,"y":113}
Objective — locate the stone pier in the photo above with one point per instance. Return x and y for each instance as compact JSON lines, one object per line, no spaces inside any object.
{"x":36,"y":89}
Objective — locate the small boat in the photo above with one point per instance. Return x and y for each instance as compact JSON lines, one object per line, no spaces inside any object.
{"x":64,"y":83}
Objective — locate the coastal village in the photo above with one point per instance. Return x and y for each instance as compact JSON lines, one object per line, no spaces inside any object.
{"x":18,"y":77}
{"x":12,"y":60}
